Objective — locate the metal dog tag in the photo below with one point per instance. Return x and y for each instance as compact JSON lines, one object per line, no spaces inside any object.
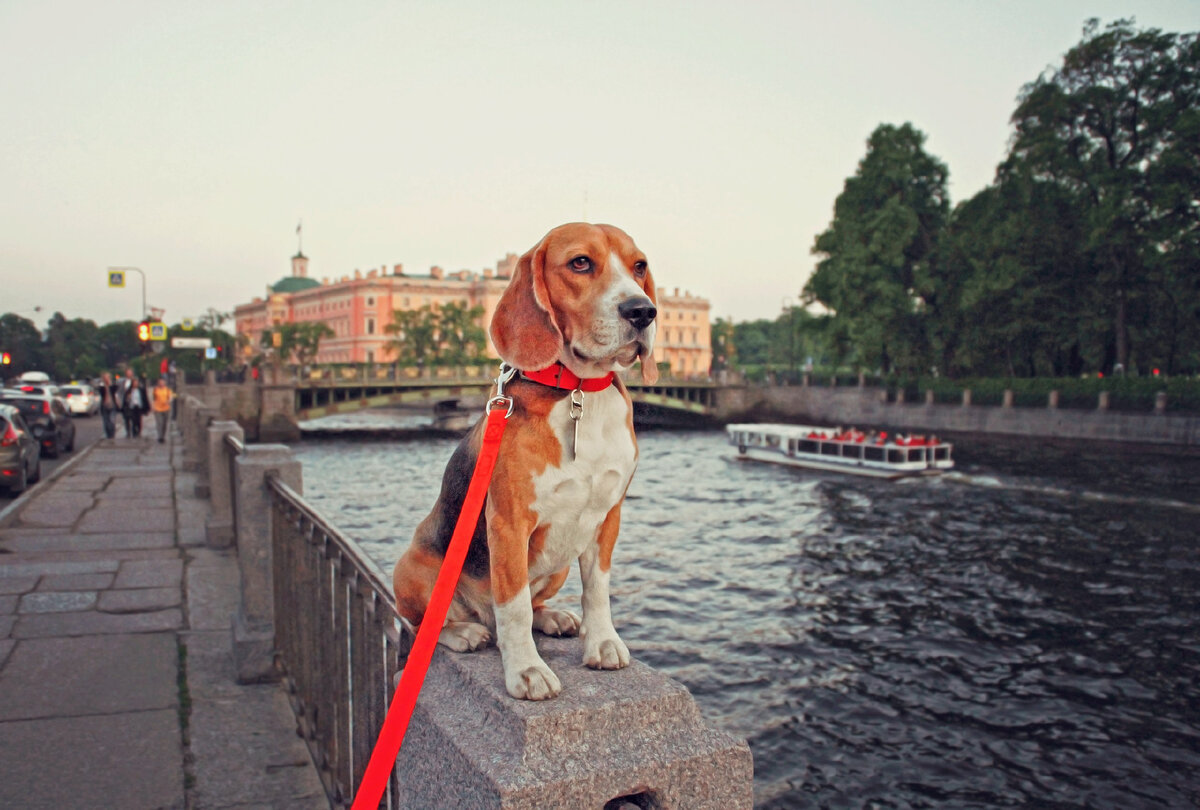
{"x":576,"y":415}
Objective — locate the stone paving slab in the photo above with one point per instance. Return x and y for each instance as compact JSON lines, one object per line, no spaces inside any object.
{"x":75,"y":582}
{"x":150,"y":574}
{"x":24,"y":569}
{"x":212,"y":588}
{"x":53,"y":508}
{"x":119,"y":519}
{"x":139,"y":600}
{"x":244,"y":749}
{"x":91,"y":542}
{"x":117,"y":556}
{"x":88,"y":763}
{"x":57,"y":601}
{"x":8,"y":604}
{"x":57,"y":677}
{"x":90,"y":482}
{"x":18,"y":584}
{"x":93,"y":623}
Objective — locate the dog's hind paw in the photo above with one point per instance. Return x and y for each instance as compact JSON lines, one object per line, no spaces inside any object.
{"x":555,"y":622}
{"x":464,"y":636}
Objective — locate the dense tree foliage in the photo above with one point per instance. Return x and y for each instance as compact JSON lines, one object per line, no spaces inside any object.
{"x":1084,"y":254}
{"x":447,"y":335}
{"x":297,"y":342}
{"x":877,"y":269}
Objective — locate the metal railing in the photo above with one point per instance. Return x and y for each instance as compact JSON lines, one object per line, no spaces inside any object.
{"x":336,"y":637}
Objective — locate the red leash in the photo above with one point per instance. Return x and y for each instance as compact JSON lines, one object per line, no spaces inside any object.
{"x":387,"y":747}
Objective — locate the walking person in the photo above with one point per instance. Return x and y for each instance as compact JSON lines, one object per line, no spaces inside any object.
{"x":160,"y":402}
{"x":108,"y":404}
{"x":122,"y":393}
{"x":135,"y":407}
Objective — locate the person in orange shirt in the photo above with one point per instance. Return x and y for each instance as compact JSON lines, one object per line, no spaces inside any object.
{"x":160,"y":403}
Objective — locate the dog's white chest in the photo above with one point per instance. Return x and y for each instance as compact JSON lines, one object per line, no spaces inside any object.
{"x":573,"y":498}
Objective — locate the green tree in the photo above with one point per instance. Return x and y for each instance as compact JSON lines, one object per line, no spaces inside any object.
{"x":20,"y":337}
{"x":724,"y":344}
{"x":462,"y":338}
{"x":73,"y":348}
{"x":1116,"y":127}
{"x":298,"y":342}
{"x":118,"y":343}
{"x":416,"y":336}
{"x":877,"y":256}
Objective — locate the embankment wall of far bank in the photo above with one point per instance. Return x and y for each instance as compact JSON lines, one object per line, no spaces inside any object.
{"x":867,"y":407}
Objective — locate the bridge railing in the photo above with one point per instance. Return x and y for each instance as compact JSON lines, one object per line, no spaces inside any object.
{"x":316,"y":612}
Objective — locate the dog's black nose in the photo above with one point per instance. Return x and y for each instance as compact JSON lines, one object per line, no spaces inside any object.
{"x":638,"y":311}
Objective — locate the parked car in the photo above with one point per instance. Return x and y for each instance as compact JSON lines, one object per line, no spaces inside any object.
{"x":20,"y":452}
{"x":47,"y":417}
{"x":81,"y":399}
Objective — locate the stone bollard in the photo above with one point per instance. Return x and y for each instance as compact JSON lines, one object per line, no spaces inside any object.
{"x":807,"y":380}
{"x":631,"y":734}
{"x":862,"y":379}
{"x":928,"y":396}
{"x":219,"y":526}
{"x":966,"y":398}
{"x":201,"y":418}
{"x":899,"y":396}
{"x":1102,"y":401}
{"x":254,"y":622}
{"x":1160,"y":403}
{"x":1052,"y":400}
{"x":1007,"y":402}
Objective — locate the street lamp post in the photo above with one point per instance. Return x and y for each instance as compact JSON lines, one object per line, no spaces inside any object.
{"x":140,"y":273}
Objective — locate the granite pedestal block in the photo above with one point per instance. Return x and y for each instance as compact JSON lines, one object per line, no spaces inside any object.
{"x":610,"y":734}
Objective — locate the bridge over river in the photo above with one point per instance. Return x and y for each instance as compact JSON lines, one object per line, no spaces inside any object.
{"x":347,"y":390}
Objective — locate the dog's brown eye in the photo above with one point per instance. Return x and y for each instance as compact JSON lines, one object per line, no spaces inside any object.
{"x":639,"y":269}
{"x":581,"y":264}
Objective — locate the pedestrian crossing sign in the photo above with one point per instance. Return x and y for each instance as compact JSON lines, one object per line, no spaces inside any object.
{"x":116,"y":278}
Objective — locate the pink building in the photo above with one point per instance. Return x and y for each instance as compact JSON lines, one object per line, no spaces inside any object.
{"x":359,"y":308}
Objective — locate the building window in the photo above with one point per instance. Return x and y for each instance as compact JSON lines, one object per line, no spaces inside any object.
{"x":370,"y":326}
{"x":370,"y":302}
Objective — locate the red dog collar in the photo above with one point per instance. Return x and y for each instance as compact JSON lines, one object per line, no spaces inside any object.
{"x":559,"y":376}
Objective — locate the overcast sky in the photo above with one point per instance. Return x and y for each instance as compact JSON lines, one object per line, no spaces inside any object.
{"x":188,"y":139}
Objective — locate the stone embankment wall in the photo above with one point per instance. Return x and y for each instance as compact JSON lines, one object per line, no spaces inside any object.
{"x":868,"y":407}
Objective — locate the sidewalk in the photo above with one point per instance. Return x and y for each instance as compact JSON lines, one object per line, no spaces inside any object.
{"x":116,"y":673}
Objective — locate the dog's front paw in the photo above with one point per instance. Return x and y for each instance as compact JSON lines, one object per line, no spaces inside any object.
{"x":555,"y":622}
{"x":605,"y":653}
{"x":464,"y":636}
{"x":537,"y":682}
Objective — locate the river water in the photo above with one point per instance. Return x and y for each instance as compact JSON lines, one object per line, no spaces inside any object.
{"x":1024,"y":631}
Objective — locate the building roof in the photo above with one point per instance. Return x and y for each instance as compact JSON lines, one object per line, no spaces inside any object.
{"x":292,"y":284}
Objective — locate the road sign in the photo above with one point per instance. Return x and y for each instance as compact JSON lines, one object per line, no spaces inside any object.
{"x":210,"y":353}
{"x":158,"y":330}
{"x":191,"y":343}
{"x":116,"y":278}
{"x":186,"y":324}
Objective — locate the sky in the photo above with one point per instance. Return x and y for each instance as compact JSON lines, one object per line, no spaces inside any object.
{"x":190,"y":139}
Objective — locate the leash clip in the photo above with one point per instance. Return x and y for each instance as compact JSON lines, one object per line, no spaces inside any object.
{"x":507,"y":372}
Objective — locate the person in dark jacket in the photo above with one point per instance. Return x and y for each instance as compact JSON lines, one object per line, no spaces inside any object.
{"x":109,"y":403}
{"x":135,"y":406}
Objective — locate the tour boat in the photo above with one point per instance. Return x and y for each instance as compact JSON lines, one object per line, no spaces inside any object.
{"x":842,"y":450}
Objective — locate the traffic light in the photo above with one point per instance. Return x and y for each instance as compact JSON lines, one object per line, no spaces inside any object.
{"x":144,"y":331}
{"x":5,"y":358}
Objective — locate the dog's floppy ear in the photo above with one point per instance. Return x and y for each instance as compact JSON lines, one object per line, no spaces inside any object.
{"x":523,"y":328}
{"x":649,"y":367}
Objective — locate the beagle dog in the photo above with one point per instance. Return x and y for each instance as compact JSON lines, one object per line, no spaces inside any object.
{"x":580,"y":306}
